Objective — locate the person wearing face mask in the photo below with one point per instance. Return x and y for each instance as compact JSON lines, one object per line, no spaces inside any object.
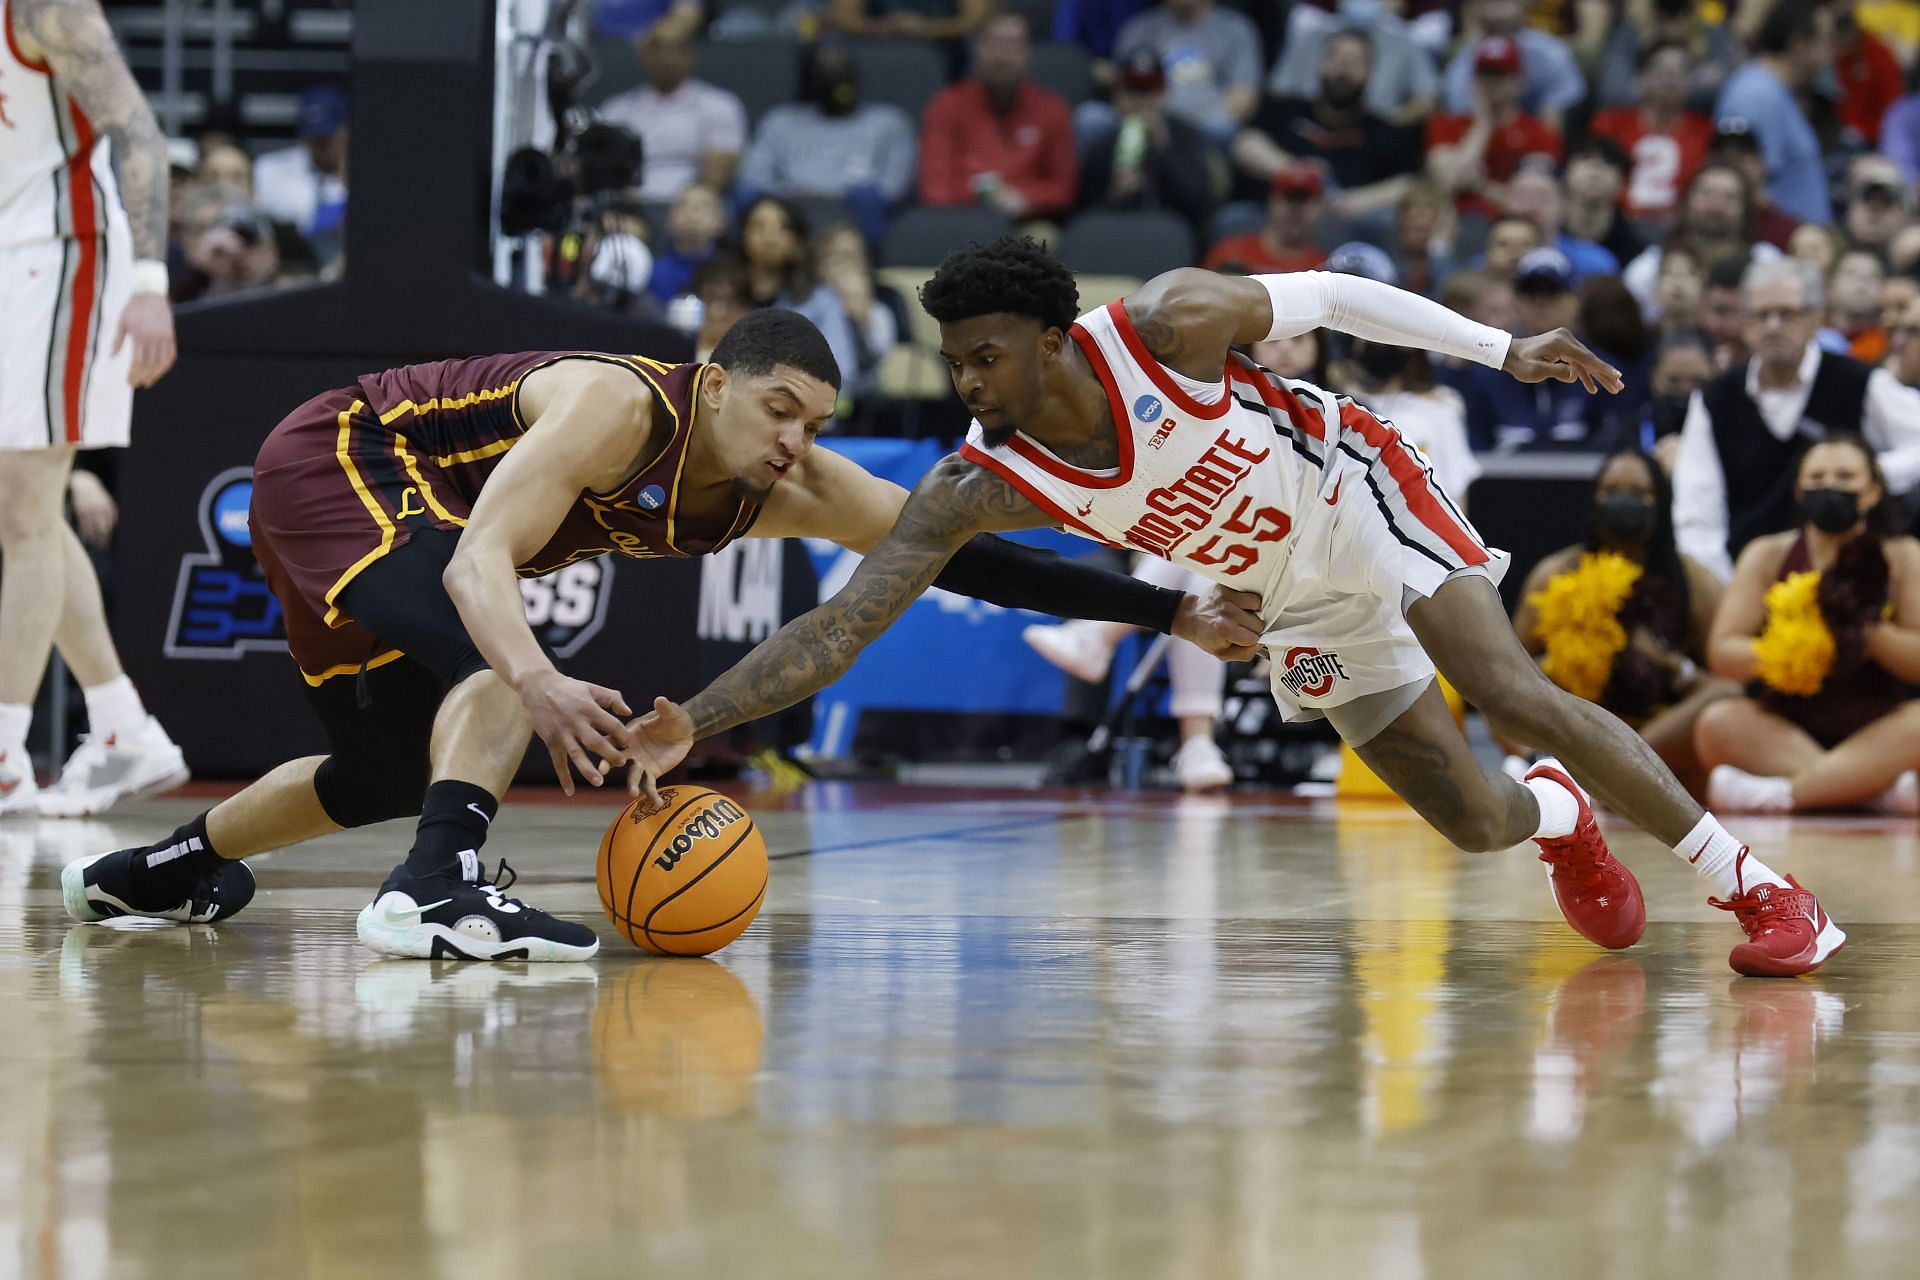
{"x":1745,"y":430}
{"x":832,"y":145}
{"x":1823,"y":624}
{"x":1682,"y":363}
{"x":1648,"y":667}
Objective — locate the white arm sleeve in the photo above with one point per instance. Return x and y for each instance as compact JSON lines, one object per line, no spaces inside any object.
{"x":1307,"y":300}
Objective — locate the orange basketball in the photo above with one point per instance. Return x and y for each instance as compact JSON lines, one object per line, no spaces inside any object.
{"x":685,"y":877}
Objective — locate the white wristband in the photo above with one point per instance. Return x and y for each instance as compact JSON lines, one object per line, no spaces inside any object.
{"x":150,"y":276}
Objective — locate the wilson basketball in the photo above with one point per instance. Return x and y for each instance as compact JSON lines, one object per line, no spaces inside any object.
{"x":685,"y":877}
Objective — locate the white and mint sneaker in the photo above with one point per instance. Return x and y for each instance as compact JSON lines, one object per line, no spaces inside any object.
{"x":459,"y":916}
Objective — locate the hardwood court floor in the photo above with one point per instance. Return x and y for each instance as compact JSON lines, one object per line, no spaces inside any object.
{"x":973,"y":1035}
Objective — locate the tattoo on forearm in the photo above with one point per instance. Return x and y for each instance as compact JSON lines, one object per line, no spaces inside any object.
{"x":955,"y":501}
{"x":76,"y":42}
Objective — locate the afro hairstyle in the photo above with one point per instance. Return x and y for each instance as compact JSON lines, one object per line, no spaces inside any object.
{"x":1014,"y":275}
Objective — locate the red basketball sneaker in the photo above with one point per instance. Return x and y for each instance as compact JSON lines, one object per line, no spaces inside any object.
{"x":1599,"y":897}
{"x":1787,"y":932}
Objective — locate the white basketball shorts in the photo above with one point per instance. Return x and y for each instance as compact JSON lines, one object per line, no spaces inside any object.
{"x":60,"y":382}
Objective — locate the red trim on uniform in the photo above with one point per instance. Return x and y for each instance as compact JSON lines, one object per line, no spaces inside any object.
{"x":1122,"y":430}
{"x":1308,"y":418}
{"x":80,"y":316}
{"x":1117,"y":312}
{"x":1031,"y":494}
{"x":1412,"y":480}
{"x":13,"y":46}
{"x":86,"y":222}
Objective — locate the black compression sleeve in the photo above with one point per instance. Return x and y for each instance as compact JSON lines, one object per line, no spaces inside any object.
{"x":1020,"y":577}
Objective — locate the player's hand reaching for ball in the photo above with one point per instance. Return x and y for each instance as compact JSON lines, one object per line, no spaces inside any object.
{"x":658,"y":741}
{"x":1224,"y":622}
{"x":1558,"y":356}
{"x":577,"y":721}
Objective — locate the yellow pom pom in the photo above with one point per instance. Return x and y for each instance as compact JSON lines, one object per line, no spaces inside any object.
{"x":1795,"y":651}
{"x":1579,"y":621}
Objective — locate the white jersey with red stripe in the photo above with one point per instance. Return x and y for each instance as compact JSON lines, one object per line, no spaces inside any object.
{"x":1264,"y":484}
{"x":56,"y":173}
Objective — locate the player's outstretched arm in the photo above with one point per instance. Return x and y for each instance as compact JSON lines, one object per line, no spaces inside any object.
{"x":828,"y":496}
{"x":73,"y":39}
{"x":954,"y":501}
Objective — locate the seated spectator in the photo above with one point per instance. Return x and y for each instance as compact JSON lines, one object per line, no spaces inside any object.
{"x":1290,"y":240}
{"x":1592,"y":189}
{"x":908,"y":19}
{"x":696,"y":223}
{"x":1900,"y":129}
{"x":1152,"y":161}
{"x":1868,"y":73}
{"x":1716,"y":219}
{"x":1712,"y":50}
{"x":1680,"y":288}
{"x":997,"y":138}
{"x":1896,"y":291}
{"x":1421,"y":240}
{"x":721,"y":289}
{"x":1370,"y":161}
{"x":1825,"y":620}
{"x":225,"y":164}
{"x":1735,"y":145}
{"x":874,"y":319}
{"x":1473,"y":155}
{"x":1903,"y":255}
{"x":1609,"y":321}
{"x":1879,"y":203}
{"x":1509,"y":240}
{"x":781,"y":273}
{"x":1682,"y":363}
{"x":1792,"y":46}
{"x":1397,"y":383}
{"x":1722,"y":318}
{"x":1853,"y":304}
{"x":1622,"y":618}
{"x":1746,"y":430}
{"x":1211,"y":56}
{"x":306,"y":186}
{"x":1534,"y":193}
{"x":690,"y":131}
{"x":1094,"y":25}
{"x":1402,"y":86}
{"x":1818,"y":247}
{"x":1503,"y":415}
{"x":1667,"y":143}
{"x":236,"y":249}
{"x":1903,"y":342}
{"x":1550,"y":78}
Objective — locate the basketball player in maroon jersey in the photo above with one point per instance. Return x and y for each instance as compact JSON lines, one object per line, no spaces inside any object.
{"x":391,"y":519}
{"x":1138,"y":425}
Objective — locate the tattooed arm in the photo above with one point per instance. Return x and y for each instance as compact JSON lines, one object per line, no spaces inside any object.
{"x":956,"y":500}
{"x":72,"y":38}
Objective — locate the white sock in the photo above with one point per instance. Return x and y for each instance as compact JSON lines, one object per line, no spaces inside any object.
{"x":1559,"y":808}
{"x":14,"y":720}
{"x":1717,"y":857}
{"x":115,"y":709}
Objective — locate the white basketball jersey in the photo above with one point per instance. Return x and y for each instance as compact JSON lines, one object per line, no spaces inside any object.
{"x":56,"y":176}
{"x":1214,"y":477}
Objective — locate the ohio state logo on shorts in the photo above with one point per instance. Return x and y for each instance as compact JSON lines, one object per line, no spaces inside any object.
{"x":1305,"y":672}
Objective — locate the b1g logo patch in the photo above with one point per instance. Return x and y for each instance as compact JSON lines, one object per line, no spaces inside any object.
{"x":1147,"y":408}
{"x":1305,"y":672}
{"x":221,"y":605}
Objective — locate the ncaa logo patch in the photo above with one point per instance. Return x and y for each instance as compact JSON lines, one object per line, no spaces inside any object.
{"x":651,"y":498}
{"x":1147,"y":408}
{"x":1308,"y":673}
{"x":221,"y":604}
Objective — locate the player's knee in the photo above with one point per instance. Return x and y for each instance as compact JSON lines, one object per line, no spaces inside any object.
{"x":25,"y":519}
{"x":1479,"y":829}
{"x":359,"y":793}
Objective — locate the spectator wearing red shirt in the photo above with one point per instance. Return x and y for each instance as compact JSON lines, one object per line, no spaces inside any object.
{"x":1289,"y":241}
{"x":998,"y":138}
{"x":1666,"y":142}
{"x":1869,"y":74}
{"x":1473,"y":155}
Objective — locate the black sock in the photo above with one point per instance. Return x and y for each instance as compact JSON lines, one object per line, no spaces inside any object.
{"x":166,"y":872}
{"x":454,"y":819}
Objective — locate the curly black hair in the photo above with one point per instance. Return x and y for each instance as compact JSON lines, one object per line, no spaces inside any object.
{"x":1014,"y":275}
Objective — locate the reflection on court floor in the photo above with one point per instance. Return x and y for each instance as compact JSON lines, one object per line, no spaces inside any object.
{"x":1000,"y":1034}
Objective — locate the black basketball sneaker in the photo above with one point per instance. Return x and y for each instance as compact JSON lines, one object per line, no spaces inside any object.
{"x":459,"y":916}
{"x":100,"y":887}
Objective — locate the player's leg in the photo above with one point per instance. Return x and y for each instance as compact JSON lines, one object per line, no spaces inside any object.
{"x":1465,"y":630}
{"x":32,"y":579}
{"x":125,"y":752}
{"x":1421,"y":754}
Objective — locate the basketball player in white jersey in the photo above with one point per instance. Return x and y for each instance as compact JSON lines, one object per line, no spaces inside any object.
{"x":85,"y":321}
{"x":1135,"y":425}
